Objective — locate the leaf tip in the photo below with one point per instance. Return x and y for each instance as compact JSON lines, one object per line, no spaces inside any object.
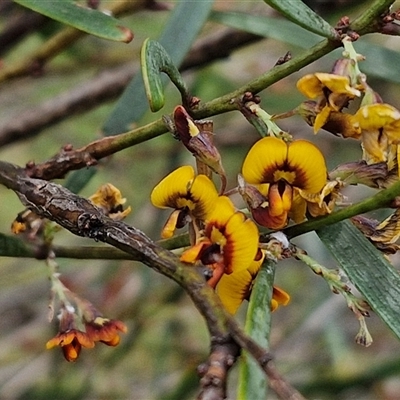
{"x":127,"y":34}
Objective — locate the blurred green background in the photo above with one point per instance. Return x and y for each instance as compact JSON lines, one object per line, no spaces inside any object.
{"x":312,"y":338}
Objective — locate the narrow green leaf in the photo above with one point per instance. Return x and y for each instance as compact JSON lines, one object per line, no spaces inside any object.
{"x":11,"y":246}
{"x":188,"y":17}
{"x":367,"y":269}
{"x":154,"y":60}
{"x":252,"y":380}
{"x":85,"y":19}
{"x":302,"y":15}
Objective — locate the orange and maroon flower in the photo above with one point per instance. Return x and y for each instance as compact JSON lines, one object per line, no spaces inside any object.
{"x":290,"y":170}
{"x":70,"y":339}
{"x":230,"y":241}
{"x":71,"y":343}
{"x":105,"y":330}
{"x":192,"y":197}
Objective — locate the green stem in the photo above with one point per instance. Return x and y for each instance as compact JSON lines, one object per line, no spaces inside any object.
{"x":12,"y":246}
{"x":225,"y":103}
{"x":228,"y":102}
{"x":380,"y":200}
{"x":367,"y":22}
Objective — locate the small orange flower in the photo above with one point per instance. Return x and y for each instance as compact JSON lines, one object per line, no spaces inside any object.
{"x":97,"y":329}
{"x":71,"y":343}
{"x":70,"y":338}
{"x":105,"y":330}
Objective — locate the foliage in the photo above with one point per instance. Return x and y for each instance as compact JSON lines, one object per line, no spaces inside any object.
{"x":67,"y":79}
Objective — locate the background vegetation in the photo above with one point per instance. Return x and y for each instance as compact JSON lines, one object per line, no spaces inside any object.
{"x":312,"y":339}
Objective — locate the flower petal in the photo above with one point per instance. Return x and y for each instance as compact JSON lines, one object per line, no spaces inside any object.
{"x":170,"y":226}
{"x":265,"y":157}
{"x":280,"y":296}
{"x":223,"y":210}
{"x":337,"y":84}
{"x":204,"y":194}
{"x":322,"y":118}
{"x":242,"y":243}
{"x":173,"y":187}
{"x":310,"y":86}
{"x":233,"y":289}
{"x":375,"y":146}
{"x":306,"y":159}
{"x":376,"y":116}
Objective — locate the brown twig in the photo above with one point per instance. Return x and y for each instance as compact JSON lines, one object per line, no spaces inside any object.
{"x":106,"y":86}
{"x":69,"y":159}
{"x":109,"y":85}
{"x":18,"y":27}
{"x":81,"y":217}
{"x":214,"y":372}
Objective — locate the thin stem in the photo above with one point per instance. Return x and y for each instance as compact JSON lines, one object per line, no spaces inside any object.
{"x":228,"y":102}
{"x":367,"y":21}
{"x":380,"y":200}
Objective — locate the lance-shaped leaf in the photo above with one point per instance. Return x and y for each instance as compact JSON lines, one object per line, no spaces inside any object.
{"x":187,"y":18}
{"x":154,"y":60}
{"x":297,"y":12}
{"x":11,"y":246}
{"x":367,"y":269}
{"x":252,"y":381}
{"x":85,"y":19}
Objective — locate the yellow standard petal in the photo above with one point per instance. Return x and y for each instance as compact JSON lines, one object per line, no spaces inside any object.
{"x":262,"y":161}
{"x":204,"y":195}
{"x":173,"y":187}
{"x":309,"y":164}
{"x":223,"y":210}
{"x":241,"y":244}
